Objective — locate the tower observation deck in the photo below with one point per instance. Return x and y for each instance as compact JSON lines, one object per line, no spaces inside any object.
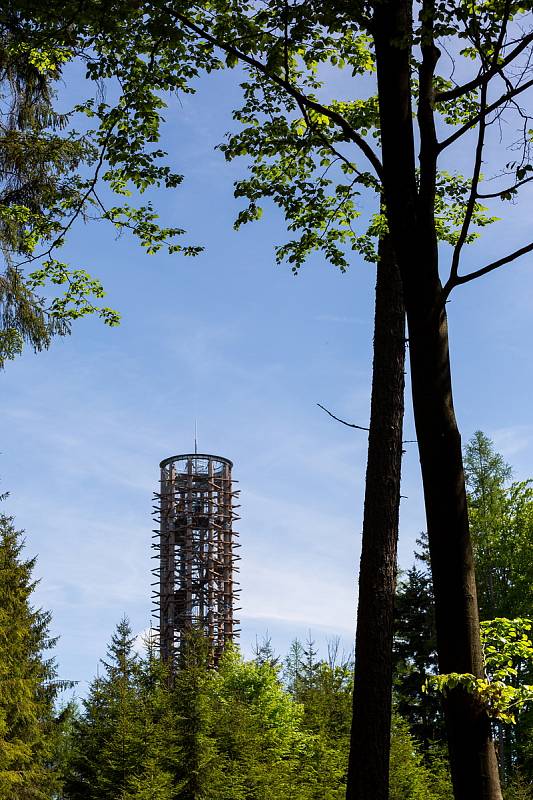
{"x":195,"y":550}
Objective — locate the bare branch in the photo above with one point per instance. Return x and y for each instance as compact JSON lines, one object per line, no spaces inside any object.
{"x":459,"y":279}
{"x":492,"y":195}
{"x":359,"y":427}
{"x":348,"y":424}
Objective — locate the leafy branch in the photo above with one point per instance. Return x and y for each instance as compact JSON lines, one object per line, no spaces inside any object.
{"x":508,"y":652}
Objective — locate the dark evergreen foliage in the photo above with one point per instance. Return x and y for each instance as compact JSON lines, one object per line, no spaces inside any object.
{"x":29,"y":729}
{"x":415,"y":656}
{"x":235,"y":733}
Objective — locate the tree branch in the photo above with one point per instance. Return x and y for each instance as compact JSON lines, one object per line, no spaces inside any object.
{"x":459,"y":279}
{"x":291,"y":90}
{"x":504,"y":98}
{"x":315,"y":130}
{"x":348,"y":424}
{"x":359,"y":427}
{"x":471,"y":203}
{"x":504,"y":191}
{"x":78,"y":210}
{"x":459,"y":91}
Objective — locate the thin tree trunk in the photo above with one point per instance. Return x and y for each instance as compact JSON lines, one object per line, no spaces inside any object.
{"x":410,"y":214}
{"x":368,"y":770}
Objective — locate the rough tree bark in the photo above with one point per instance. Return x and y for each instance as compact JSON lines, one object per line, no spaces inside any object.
{"x":368,"y":770}
{"x":410,"y":213}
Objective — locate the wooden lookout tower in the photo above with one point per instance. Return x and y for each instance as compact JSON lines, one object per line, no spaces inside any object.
{"x":195,"y":548}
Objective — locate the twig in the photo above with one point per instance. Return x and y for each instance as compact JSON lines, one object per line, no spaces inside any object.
{"x":359,"y":427}
{"x":348,"y":424}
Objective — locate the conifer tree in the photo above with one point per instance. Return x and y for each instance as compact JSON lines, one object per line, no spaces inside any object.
{"x":161,"y":752}
{"x":49,"y":173}
{"x":36,"y":170}
{"x":152,"y":784}
{"x":198,"y":759}
{"x":264,"y":651}
{"x":501,"y":518}
{"x":325,"y":692}
{"x":237,"y":733}
{"x":412,"y":778}
{"x":415,"y":655}
{"x":109,"y":737}
{"x":293,"y":665}
{"x":501,"y":515}
{"x":28,"y":679}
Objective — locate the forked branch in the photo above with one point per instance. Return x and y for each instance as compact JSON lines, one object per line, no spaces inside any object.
{"x":478,"y":273}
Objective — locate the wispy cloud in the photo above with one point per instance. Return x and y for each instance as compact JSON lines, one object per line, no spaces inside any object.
{"x":514,"y":440}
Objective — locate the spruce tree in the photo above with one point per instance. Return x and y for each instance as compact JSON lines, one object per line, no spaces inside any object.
{"x":29,"y":684}
{"x":501,"y":518}
{"x":197,"y":756}
{"x":415,"y":655}
{"x":264,"y":652}
{"x":412,"y":777}
{"x":109,"y":738}
{"x":154,"y":778}
{"x":293,"y":666}
{"x":152,"y":784}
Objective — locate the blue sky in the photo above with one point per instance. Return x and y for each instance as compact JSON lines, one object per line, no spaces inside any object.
{"x":248,"y":350}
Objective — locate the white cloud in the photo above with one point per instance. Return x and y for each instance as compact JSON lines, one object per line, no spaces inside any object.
{"x":513,"y":440}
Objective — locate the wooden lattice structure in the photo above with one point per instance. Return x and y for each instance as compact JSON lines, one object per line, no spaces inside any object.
{"x":196,"y":554}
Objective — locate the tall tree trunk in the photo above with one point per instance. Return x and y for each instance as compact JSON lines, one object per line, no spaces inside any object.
{"x":368,"y":770}
{"x":472,"y":754}
{"x":410,"y":213}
